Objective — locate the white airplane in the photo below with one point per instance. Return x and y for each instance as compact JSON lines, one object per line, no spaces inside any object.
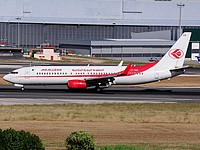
{"x":82,"y":77}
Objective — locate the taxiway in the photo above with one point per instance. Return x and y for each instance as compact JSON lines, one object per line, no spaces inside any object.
{"x":10,"y":95}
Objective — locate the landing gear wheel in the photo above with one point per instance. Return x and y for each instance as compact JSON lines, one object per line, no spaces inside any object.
{"x":98,"y":89}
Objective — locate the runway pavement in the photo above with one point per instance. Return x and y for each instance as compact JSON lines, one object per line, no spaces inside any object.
{"x":10,"y":95}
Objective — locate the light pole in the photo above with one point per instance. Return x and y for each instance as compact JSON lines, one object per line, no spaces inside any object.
{"x":18,"y":31}
{"x":180,"y":17}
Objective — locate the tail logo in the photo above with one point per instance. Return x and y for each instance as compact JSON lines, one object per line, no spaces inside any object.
{"x":176,"y":53}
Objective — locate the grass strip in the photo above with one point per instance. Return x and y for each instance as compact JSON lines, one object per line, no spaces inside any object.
{"x":133,"y":113}
{"x":164,"y":126}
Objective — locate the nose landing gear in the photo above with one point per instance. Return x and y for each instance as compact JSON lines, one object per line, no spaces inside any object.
{"x":20,"y":85}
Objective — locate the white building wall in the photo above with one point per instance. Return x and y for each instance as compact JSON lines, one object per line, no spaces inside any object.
{"x":117,"y":12}
{"x":48,"y":54}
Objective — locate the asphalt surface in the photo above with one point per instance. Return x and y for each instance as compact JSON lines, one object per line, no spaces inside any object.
{"x":60,"y":95}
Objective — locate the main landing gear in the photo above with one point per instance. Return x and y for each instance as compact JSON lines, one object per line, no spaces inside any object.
{"x":98,"y":89}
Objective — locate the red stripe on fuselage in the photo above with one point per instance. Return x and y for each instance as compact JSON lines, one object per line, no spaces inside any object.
{"x":46,"y":76}
{"x":133,"y":70}
{"x":139,"y":69}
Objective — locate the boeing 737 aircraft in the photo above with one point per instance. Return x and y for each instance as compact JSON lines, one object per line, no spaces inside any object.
{"x":99,"y":77}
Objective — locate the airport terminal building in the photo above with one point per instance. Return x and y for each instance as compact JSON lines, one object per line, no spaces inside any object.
{"x":32,"y":23}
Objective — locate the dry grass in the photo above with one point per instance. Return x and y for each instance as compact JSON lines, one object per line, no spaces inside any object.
{"x":159,"y":124}
{"x":133,"y":113}
{"x":186,"y":81}
{"x":54,"y":133}
{"x":83,"y":60}
{"x":2,"y":81}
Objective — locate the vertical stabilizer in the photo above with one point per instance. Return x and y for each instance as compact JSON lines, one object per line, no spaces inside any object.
{"x":174,"y":58}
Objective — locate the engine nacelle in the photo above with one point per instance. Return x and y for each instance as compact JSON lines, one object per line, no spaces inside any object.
{"x":77,"y":84}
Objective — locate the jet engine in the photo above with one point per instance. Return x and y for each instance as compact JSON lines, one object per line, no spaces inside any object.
{"x":77,"y":84}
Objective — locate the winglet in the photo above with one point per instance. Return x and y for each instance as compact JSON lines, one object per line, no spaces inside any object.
{"x":121,"y":63}
{"x":127,"y":70}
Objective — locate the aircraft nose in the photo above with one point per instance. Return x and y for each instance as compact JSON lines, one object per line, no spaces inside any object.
{"x":7,"y":77}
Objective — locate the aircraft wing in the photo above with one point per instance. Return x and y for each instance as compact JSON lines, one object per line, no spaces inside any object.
{"x":102,"y":81}
{"x":121,"y":63}
{"x":107,"y":80}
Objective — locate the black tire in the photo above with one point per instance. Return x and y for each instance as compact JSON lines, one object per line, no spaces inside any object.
{"x":98,"y":89}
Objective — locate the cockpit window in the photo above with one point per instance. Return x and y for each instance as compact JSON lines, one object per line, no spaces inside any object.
{"x":14,"y":72}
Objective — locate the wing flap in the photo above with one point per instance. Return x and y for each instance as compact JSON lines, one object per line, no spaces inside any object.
{"x":101,"y":81}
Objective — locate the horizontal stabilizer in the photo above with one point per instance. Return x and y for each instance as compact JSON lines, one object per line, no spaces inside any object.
{"x":184,"y":67}
{"x":178,"y":71}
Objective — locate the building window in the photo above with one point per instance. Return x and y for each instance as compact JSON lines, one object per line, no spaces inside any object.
{"x":156,"y":54}
{"x":117,"y":55}
{"x":163,"y":0}
{"x":137,"y":55}
{"x":195,"y":50}
{"x":127,"y":55}
{"x":106,"y":55}
{"x":130,"y":55}
{"x":147,"y":55}
{"x":96,"y":55}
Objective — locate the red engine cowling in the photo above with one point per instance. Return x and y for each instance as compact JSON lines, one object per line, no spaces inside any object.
{"x":77,"y":84}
